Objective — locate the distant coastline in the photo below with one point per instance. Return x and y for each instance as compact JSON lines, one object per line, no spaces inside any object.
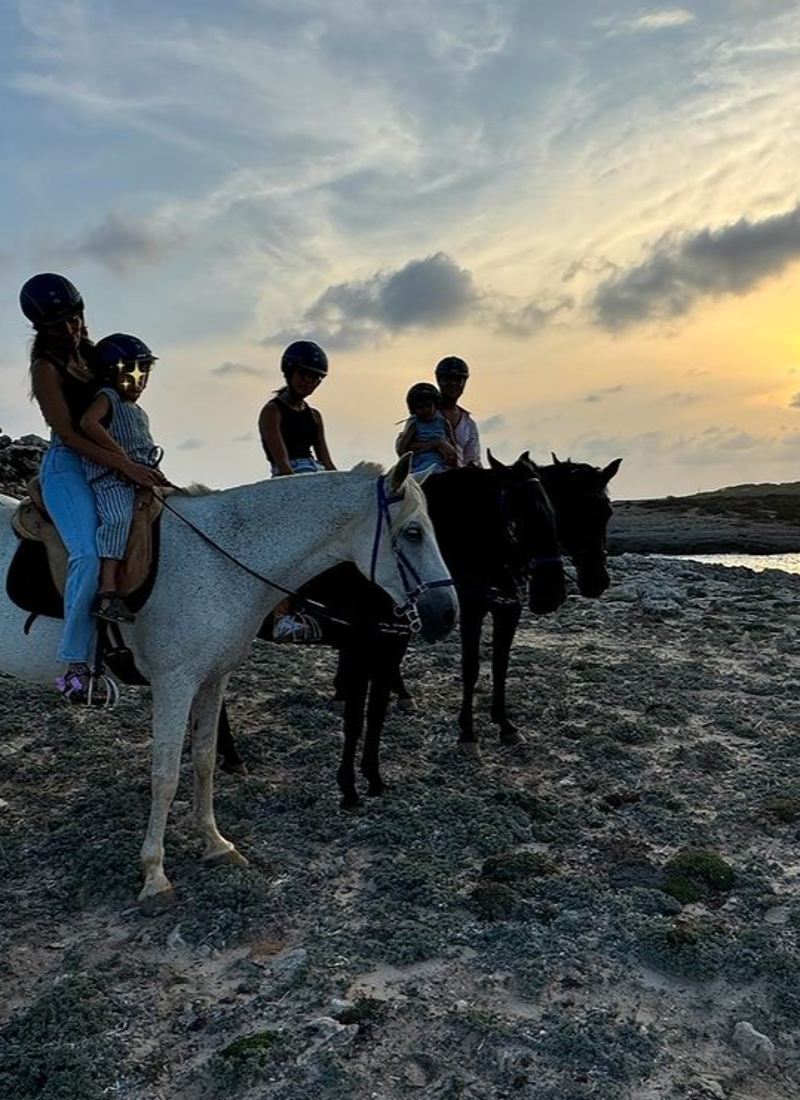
{"x":744,"y":519}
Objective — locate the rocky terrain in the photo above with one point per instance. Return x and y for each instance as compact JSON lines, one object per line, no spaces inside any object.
{"x":609,"y":912}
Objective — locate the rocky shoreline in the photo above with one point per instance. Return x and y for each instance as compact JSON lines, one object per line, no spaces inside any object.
{"x":638,"y":529}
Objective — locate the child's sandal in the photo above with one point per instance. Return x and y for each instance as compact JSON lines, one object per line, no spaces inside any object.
{"x":111,"y":607}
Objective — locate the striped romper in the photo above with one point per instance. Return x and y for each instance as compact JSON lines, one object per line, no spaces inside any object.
{"x":130,"y":427}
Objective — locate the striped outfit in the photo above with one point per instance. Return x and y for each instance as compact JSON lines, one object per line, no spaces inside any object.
{"x":130,"y":428}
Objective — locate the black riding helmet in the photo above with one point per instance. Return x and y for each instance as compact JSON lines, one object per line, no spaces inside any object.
{"x":119,"y":354}
{"x":420,"y":392}
{"x":49,"y":299}
{"x":306,"y":355}
{"x":452,"y":367}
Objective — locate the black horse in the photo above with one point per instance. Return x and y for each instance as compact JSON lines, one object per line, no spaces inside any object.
{"x":579,"y":495}
{"x":497,"y":533}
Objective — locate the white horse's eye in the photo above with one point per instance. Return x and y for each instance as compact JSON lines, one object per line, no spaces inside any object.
{"x":413,"y":533}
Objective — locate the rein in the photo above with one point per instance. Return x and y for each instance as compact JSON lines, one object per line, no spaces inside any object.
{"x":405,"y":568}
{"x":407,"y":610}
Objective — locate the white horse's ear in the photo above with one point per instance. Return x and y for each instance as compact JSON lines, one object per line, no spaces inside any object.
{"x":399,"y":472}
{"x":423,"y":477}
{"x":610,"y":470}
{"x":495,"y":463}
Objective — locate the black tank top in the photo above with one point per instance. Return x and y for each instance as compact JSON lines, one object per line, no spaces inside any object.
{"x":299,"y":431}
{"x":78,"y":394}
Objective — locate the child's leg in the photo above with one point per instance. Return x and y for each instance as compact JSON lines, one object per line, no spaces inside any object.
{"x":115,"y":504}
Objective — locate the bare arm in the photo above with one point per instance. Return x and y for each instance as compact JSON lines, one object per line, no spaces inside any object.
{"x":320,"y":444}
{"x":48,"y":391}
{"x":407,"y":440}
{"x":269,"y":428}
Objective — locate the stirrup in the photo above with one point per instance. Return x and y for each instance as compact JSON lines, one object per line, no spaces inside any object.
{"x":297,"y":627}
{"x":112,"y":607}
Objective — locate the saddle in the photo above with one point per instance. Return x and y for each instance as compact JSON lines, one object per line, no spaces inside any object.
{"x":38,"y":570}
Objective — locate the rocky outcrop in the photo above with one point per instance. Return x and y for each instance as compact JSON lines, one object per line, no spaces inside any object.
{"x":19,"y":461}
{"x":647,"y":529}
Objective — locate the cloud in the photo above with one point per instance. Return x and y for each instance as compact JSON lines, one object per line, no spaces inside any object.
{"x":226,"y":370}
{"x":685,"y":268}
{"x":662,"y":20}
{"x":795,"y":402}
{"x":606,"y":391}
{"x":123,"y":244}
{"x":190,"y":444}
{"x":424,"y":294}
{"x":492,"y":424}
{"x":681,"y":397}
{"x":245,"y":437}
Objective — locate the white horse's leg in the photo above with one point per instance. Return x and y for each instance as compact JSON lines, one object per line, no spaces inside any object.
{"x":204,"y":721}
{"x":172,"y":700}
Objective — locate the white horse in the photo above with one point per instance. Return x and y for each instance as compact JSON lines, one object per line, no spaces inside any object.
{"x":205,"y":609}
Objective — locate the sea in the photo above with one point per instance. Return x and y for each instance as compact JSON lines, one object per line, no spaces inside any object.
{"x":789,"y":563}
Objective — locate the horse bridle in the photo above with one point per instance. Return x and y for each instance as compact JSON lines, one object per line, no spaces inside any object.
{"x":405,"y":568}
{"x":520,"y":574}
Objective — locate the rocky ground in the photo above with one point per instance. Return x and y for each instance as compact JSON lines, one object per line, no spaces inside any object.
{"x":612,"y":912}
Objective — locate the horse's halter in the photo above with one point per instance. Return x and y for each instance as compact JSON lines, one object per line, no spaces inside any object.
{"x":405,"y":568}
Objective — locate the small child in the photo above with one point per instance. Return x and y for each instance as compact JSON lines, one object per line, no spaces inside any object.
{"x":114,"y":420}
{"x":427,"y":434}
{"x":293,"y":438}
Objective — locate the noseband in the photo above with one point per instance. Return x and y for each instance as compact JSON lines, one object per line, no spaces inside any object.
{"x":405,"y":568}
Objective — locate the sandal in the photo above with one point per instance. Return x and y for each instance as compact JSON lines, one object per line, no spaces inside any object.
{"x":111,"y":607}
{"x":82,"y":687}
{"x":74,"y":684}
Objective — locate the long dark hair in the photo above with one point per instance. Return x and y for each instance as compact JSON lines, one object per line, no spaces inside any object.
{"x":43,"y":346}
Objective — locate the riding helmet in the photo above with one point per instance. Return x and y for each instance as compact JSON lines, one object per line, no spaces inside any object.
{"x":422,"y":391}
{"x":305,"y":354}
{"x":49,"y":299}
{"x":112,"y":354}
{"x":452,"y":367}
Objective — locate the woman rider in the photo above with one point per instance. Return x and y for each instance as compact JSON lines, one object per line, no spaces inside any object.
{"x":64,"y":387}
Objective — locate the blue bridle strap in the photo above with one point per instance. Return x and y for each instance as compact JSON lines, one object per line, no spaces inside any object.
{"x":404,"y":567}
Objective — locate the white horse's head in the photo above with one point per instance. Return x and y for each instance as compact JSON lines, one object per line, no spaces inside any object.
{"x":395,"y":546}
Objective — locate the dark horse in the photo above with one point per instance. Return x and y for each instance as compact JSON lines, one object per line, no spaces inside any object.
{"x":578,"y":493}
{"x":497,"y":534}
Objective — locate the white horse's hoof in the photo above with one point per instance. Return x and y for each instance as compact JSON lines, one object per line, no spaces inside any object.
{"x":230,"y":858}
{"x":153,"y":904}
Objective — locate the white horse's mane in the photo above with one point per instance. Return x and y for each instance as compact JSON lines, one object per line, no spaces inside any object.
{"x":196,"y":489}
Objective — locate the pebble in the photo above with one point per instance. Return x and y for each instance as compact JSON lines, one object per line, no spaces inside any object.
{"x":753,"y":1044}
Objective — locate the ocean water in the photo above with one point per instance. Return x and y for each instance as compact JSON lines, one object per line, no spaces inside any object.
{"x":789,"y":563}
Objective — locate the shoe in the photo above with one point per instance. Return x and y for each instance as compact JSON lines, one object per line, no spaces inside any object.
{"x":82,"y":687}
{"x":296,"y":628}
{"x":111,"y":607}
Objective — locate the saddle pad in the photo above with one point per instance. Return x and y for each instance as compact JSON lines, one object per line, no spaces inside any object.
{"x":30,"y":521}
{"x":30,"y":583}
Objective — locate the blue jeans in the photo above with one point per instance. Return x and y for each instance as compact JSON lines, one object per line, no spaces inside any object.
{"x":70,"y":502}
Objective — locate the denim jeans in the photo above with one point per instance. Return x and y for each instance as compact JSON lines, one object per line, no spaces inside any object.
{"x":71,"y":504}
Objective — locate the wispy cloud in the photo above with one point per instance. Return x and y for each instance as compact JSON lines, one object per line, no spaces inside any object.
{"x":681,"y":269}
{"x":226,"y":370}
{"x":664,"y":19}
{"x":190,"y":444}
{"x":606,"y":391}
{"x":492,"y":424}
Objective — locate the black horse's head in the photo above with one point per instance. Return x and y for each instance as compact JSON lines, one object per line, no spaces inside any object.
{"x":527,"y":530}
{"x":579,"y":495}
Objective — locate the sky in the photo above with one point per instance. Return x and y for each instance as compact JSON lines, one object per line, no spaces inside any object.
{"x":595,"y":203}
